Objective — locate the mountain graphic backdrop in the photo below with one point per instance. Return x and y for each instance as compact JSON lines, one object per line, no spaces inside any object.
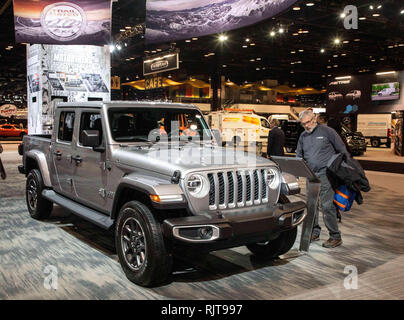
{"x":169,"y":20}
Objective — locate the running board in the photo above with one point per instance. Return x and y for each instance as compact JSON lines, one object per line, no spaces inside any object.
{"x":84,"y":212}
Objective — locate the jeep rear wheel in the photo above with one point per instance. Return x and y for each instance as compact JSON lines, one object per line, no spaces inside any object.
{"x":38,"y":207}
{"x":140,"y":246}
{"x":278,"y":246}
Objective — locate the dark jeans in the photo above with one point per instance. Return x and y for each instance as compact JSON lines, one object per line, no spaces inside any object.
{"x":329,"y":210}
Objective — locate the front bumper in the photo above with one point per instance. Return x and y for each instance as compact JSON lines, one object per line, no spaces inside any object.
{"x":243,"y":224}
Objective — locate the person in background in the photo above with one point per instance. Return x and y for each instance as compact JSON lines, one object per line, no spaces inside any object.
{"x":276,"y":139}
{"x":2,"y":170}
{"x":316,"y":145}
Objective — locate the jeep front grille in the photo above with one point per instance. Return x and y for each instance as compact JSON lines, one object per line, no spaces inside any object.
{"x":230,"y":189}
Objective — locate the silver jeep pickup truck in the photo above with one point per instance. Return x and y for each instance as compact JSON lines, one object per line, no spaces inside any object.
{"x":155,"y":173}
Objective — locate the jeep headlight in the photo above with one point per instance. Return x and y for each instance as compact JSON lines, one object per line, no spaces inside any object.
{"x":197,"y":185}
{"x":273,"y":178}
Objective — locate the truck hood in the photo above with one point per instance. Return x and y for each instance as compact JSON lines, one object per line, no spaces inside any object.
{"x":167,"y":158}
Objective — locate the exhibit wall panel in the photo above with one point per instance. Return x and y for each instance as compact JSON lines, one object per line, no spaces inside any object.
{"x":363,"y":94}
{"x":64,"y":74}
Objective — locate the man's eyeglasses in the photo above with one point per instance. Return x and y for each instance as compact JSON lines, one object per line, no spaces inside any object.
{"x":306,"y":122}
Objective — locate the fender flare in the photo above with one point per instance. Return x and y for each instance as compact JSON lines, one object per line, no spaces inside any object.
{"x":146,"y":185}
{"x":40,"y":159}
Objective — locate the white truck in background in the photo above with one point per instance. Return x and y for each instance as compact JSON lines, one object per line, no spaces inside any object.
{"x":240,"y":128}
{"x":376,"y":128}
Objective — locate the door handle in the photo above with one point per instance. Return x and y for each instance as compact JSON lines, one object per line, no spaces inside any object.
{"x":58,"y":154}
{"x":78,"y":159}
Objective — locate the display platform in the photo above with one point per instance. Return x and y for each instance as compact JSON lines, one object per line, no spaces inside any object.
{"x":87,"y":266}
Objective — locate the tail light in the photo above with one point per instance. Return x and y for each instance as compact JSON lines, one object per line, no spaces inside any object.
{"x":389,"y":133}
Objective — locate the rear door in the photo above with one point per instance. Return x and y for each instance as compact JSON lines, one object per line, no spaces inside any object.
{"x":89,"y":166}
{"x":61,"y":152}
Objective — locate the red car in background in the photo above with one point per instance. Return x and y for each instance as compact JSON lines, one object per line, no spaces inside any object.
{"x":11,"y":130}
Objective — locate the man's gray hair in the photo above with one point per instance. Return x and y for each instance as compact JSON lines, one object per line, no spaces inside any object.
{"x":307,"y":112}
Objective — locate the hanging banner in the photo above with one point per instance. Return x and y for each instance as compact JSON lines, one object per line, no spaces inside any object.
{"x":160,"y":64}
{"x":65,"y":22}
{"x":168,"y":20}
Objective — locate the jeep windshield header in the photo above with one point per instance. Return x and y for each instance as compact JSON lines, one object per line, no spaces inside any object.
{"x":145,"y":124}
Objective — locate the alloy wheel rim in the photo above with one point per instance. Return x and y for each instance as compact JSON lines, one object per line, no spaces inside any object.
{"x":32,"y":194}
{"x":133,"y":243}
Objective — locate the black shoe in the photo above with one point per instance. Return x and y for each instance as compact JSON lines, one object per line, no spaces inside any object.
{"x":314,"y":238}
{"x":332,"y":243}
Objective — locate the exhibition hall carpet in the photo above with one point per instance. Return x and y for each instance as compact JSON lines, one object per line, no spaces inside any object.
{"x":87,"y":266}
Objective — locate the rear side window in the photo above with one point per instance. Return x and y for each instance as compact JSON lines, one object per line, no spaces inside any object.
{"x":66,"y":125}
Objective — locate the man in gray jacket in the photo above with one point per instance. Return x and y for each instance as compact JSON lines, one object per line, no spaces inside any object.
{"x":316,"y":145}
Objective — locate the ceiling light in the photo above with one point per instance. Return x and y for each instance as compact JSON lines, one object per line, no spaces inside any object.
{"x":127,"y":27}
{"x":295,"y":34}
{"x":122,"y":30}
{"x":305,"y":31}
{"x":247,"y":40}
{"x":402,"y":12}
{"x":252,"y":60}
{"x":371,"y":7}
{"x":272,"y":34}
{"x":257,"y":69}
{"x":111,"y":48}
{"x":357,"y":40}
{"x":281,"y":30}
{"x":194,"y":39}
{"x":343,"y":54}
{"x":343,"y":78}
{"x":258,"y":59}
{"x":245,"y":46}
{"x":376,"y":15}
{"x":342,"y":15}
{"x":252,"y":44}
{"x":187,"y":40}
{"x":379,"y":6}
{"x":224,"y":66}
{"x":346,"y":41}
{"x":222,"y":38}
{"x":292,"y":51}
{"x":335,"y":56}
{"x":119,"y":47}
{"x":362,"y":18}
{"x":337,"y":41}
{"x":301,"y":50}
{"x":383,"y":73}
{"x":310,"y":4}
{"x":322,"y":50}
{"x":296,"y":8}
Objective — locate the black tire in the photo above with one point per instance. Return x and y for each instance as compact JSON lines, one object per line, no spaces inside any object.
{"x":38,"y":207}
{"x":277,"y":247}
{"x":375,"y":143}
{"x":155,"y":264}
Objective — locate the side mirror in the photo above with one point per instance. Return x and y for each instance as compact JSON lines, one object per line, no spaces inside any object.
{"x":218,"y":136}
{"x":90,"y":138}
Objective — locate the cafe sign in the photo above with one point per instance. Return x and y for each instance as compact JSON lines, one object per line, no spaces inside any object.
{"x":153,"y":83}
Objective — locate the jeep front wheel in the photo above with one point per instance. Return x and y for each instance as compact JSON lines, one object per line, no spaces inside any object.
{"x":278,"y":246}
{"x":274,"y":248}
{"x":140,"y":245}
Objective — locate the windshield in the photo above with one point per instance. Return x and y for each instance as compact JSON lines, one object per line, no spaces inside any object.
{"x":157,"y":124}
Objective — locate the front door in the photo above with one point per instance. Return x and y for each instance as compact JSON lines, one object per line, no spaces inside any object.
{"x":89,"y":166}
{"x":61,"y":153}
